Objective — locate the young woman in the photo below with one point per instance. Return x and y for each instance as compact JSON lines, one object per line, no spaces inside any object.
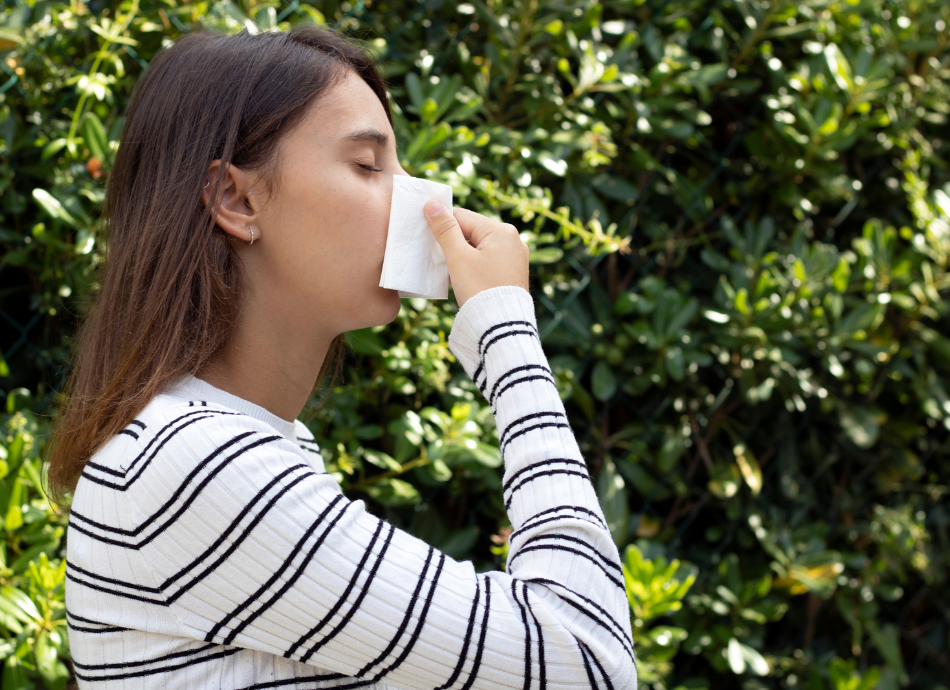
{"x":207,"y":545}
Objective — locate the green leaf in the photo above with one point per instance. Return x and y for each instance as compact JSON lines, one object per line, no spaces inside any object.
{"x":14,"y":675}
{"x":613,"y":501}
{"x":460,"y":542}
{"x":887,"y":640}
{"x":682,"y":317}
{"x":18,"y":604}
{"x":53,"y":207}
{"x":742,"y":302}
{"x":707,"y":75}
{"x":394,"y":492}
{"x":603,"y":382}
{"x":414,"y":87}
{"x":675,"y":363}
{"x":52,"y":148}
{"x":749,"y":467}
{"x":382,"y":460}
{"x":94,"y":134}
{"x":841,"y":275}
{"x":860,"y":424}
{"x":546,"y":255}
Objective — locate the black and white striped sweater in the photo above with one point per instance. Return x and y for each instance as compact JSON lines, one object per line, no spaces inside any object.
{"x":208,"y":548}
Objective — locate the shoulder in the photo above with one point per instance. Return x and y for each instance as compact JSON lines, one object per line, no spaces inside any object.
{"x":174,"y":438}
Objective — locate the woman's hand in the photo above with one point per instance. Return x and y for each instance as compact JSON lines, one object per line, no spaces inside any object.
{"x":481,"y":253}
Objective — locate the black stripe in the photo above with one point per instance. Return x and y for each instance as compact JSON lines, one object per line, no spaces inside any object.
{"x":357,"y":571}
{"x":286,"y":564}
{"x":603,"y":674}
{"x":131,"y":433}
{"x":114,"y":592}
{"x":145,"y":450}
{"x":296,"y":681}
{"x":525,"y":418}
{"x":356,"y":604}
{"x":233,"y":547}
{"x":102,"y":578}
{"x":540,"y":463}
{"x":465,"y":642}
{"x":527,"y":637}
{"x":165,"y":506}
{"x":405,"y":619}
{"x":546,"y":473}
{"x":311,"y":679}
{"x":241,"y":537}
{"x":590,"y":672}
{"x":484,"y":352}
{"x":139,"y":423}
{"x":623,"y":642}
{"x":96,"y":631}
{"x":524,"y":367}
{"x":526,"y":524}
{"x":607,"y":561}
{"x":545,"y":581}
{"x":143,"y":662}
{"x":525,"y":380}
{"x":419,"y":623}
{"x":522,"y":432}
{"x":185,"y":504}
{"x":164,"y":669}
{"x":568,"y":549}
{"x":542,"y":681}
{"x":481,"y":638}
{"x":70,"y":614}
{"x":208,"y":415}
{"x":501,"y":325}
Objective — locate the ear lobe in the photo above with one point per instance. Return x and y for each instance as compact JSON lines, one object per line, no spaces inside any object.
{"x":235,"y":212}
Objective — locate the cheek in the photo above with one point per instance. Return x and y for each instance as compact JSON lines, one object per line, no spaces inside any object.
{"x":356,"y":228}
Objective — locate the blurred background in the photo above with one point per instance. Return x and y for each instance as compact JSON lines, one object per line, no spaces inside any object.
{"x":739,"y":216}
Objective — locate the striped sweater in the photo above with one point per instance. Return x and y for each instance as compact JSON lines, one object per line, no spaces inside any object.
{"x":209,"y":548}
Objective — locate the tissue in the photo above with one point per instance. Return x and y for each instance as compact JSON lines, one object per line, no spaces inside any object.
{"x":414,"y":263}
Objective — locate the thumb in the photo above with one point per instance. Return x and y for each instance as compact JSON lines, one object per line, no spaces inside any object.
{"x":446,"y":229}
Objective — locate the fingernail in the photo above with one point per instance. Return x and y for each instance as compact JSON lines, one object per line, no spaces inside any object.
{"x":433,"y":208}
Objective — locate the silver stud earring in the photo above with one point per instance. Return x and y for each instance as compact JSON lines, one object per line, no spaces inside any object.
{"x":252,"y":238}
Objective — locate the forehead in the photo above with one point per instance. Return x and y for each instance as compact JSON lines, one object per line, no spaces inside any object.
{"x":349,"y":104}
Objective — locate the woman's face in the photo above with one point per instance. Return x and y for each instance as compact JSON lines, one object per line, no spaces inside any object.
{"x":323,"y":230}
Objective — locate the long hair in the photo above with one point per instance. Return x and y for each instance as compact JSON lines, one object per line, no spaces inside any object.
{"x":171,"y":286}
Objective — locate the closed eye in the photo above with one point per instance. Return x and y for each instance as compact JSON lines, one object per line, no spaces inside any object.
{"x":369,"y":167}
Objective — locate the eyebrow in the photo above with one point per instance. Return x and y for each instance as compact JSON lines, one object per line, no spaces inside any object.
{"x":370,"y":134}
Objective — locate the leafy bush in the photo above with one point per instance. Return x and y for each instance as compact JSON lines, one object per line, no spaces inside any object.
{"x":739,"y":216}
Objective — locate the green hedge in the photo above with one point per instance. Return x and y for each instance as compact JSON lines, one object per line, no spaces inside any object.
{"x":739,"y":215}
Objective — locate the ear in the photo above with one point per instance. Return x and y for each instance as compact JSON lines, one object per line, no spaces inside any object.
{"x":237,"y":204}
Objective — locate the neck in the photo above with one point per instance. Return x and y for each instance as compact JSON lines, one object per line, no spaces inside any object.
{"x":272,"y":358}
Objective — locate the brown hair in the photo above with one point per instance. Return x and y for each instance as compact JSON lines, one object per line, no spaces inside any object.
{"x":171,"y":287}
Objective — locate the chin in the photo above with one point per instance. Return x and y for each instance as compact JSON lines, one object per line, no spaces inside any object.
{"x":395,"y":302}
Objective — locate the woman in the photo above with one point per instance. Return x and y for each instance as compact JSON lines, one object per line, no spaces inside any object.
{"x":207,"y":546}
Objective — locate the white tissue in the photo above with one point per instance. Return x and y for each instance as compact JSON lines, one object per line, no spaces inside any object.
{"x":414,"y":263}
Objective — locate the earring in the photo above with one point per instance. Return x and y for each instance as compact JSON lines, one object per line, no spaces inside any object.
{"x":206,"y":184}
{"x":252,"y":238}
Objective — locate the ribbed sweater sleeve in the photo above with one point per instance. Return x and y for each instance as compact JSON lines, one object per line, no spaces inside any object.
{"x":250,"y":546}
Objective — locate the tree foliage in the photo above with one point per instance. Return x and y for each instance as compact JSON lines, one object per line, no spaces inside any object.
{"x":739,"y":217}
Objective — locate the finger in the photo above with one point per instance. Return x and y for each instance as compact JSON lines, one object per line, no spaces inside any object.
{"x":474,"y":225}
{"x":445,"y":228}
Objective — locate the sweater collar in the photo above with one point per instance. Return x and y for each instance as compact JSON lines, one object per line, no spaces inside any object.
{"x":199,"y":389}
